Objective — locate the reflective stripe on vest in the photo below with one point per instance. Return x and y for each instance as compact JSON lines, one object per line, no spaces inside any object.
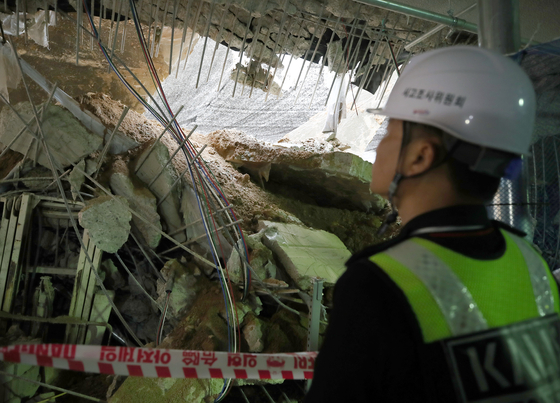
{"x":445,"y":306}
{"x":539,"y":277}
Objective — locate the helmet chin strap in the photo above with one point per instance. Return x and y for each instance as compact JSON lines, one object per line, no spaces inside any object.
{"x":392,"y":216}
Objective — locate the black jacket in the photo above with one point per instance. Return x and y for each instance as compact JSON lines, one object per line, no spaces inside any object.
{"x":370,"y":352}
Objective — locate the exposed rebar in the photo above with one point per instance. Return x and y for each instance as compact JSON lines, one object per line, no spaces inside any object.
{"x":106,"y":148}
{"x":158,"y":139}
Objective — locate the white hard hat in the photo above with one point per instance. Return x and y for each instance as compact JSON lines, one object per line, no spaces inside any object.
{"x":472,"y":93}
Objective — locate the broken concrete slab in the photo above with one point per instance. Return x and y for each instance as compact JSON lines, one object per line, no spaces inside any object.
{"x":141,"y":200}
{"x":149,"y":390}
{"x":13,"y":390}
{"x":253,"y":331}
{"x":183,"y":292}
{"x":153,"y":169}
{"x":333,"y":179}
{"x":306,"y":253}
{"x":261,"y":258}
{"x":77,"y":178}
{"x":42,"y":177}
{"x":113,"y":279}
{"x":67,"y":139}
{"x":120,"y":143}
{"x":108,"y":221}
{"x":356,"y":130}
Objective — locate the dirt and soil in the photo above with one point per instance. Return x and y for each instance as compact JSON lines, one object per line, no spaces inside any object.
{"x":276,"y":202}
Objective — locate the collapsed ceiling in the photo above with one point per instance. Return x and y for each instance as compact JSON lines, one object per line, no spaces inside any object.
{"x":146,"y":228}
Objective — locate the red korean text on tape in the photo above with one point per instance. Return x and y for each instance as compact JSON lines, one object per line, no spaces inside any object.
{"x":160,"y":363}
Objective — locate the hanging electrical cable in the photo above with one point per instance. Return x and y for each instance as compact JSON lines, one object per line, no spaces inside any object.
{"x":209,"y":195}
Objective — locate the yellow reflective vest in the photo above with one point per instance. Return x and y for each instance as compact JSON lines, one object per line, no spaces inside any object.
{"x":496,"y":320}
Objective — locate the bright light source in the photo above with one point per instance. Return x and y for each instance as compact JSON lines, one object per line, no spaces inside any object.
{"x":521,"y":102}
{"x":467,"y":121}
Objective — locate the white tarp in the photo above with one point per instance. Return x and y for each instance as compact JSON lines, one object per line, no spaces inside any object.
{"x":10,"y":75}
{"x":36,"y":26}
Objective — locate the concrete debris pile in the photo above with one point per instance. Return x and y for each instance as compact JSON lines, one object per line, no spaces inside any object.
{"x":134,"y":227}
{"x":332,"y":178}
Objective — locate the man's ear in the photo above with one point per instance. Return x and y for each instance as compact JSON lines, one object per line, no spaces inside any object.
{"x":421,"y":154}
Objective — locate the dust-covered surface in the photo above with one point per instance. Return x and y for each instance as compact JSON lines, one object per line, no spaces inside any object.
{"x":277,"y":201}
{"x":109,"y":111}
{"x":273,"y":316}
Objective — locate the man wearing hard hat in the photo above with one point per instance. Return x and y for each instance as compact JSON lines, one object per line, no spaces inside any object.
{"x":457,"y":308}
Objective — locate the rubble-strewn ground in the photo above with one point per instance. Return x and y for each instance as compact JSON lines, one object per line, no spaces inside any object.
{"x":253,"y":177}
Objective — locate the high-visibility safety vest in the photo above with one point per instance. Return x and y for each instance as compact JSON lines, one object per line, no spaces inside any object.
{"x":497,"y":321}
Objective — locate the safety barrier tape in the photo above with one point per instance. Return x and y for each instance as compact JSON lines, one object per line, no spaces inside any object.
{"x":161,"y":363}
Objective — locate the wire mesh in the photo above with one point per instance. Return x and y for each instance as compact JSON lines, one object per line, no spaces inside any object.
{"x":532,"y":203}
{"x":542,"y":174}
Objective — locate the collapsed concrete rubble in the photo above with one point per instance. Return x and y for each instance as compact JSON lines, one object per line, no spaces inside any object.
{"x":303,"y":210}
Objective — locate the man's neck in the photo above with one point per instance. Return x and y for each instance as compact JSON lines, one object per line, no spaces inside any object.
{"x":418,"y":196}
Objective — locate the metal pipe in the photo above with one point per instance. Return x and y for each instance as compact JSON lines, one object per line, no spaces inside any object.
{"x":198,"y":238}
{"x":92,"y":15}
{"x":193,"y":222}
{"x":171,"y":158}
{"x":498,"y":25}
{"x":307,"y":51}
{"x":159,"y":138}
{"x":353,"y":63}
{"x":123,"y":39}
{"x":113,"y":11}
{"x":145,"y":220}
{"x":254,"y":43}
{"x":271,"y":82}
{"x":165,"y":10}
{"x":259,"y":59}
{"x":219,"y":38}
{"x":343,"y":59}
{"x":393,"y":57}
{"x":116,"y":34}
{"x":175,"y":9}
{"x":241,"y":56}
{"x":225,"y":60}
{"x":187,"y":8}
{"x":78,"y":23}
{"x":102,"y":12}
{"x":292,"y":54}
{"x":435,"y":30}
{"x":106,"y":148}
{"x":54,"y":170}
{"x":147,"y":257}
{"x":424,"y":14}
{"x":25,"y":21}
{"x":17,"y":18}
{"x":152,"y":21}
{"x":193,"y":33}
{"x":311,"y":59}
{"x":323,"y":61}
{"x":207,"y":32}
